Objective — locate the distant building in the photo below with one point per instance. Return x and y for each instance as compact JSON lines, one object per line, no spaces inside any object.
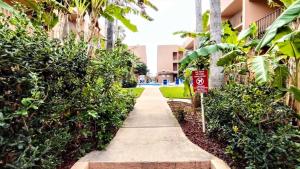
{"x":140,"y":52}
{"x":168,"y":57}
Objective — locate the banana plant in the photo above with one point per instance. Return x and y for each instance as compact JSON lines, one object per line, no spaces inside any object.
{"x":288,"y":16}
{"x":7,"y":7}
{"x":285,"y":45}
{"x":272,"y":67}
{"x":187,"y":82}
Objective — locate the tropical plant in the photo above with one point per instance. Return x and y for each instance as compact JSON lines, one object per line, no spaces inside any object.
{"x":141,"y":69}
{"x":273,"y":66}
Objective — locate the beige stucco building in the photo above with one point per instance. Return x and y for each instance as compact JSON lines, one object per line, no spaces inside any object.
{"x":168,"y":57}
{"x":241,"y":13}
{"x":140,"y":52}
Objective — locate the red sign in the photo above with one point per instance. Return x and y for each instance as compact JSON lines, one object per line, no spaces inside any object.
{"x":200,"y":81}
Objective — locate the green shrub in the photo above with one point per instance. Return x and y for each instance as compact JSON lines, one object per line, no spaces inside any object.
{"x":56,"y":104}
{"x":130,"y":82}
{"x":255,"y":124}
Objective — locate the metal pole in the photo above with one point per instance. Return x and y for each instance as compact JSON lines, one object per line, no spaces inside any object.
{"x":202,"y":113}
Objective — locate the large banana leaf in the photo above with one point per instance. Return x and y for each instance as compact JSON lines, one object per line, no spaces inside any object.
{"x":290,"y":44}
{"x":289,"y":15}
{"x":251,"y":31}
{"x":287,"y":3}
{"x":262,"y":67}
{"x":119,"y":13}
{"x":205,"y":20}
{"x":229,"y":34}
{"x":282,"y":32}
{"x":295,"y":91}
{"x":281,"y":73}
{"x":187,"y":82}
{"x":228,"y":58}
{"x":205,"y":51}
{"x":7,"y":7}
{"x":184,"y":34}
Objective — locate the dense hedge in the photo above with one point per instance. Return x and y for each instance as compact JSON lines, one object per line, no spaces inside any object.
{"x":56,"y":104}
{"x":255,"y":125}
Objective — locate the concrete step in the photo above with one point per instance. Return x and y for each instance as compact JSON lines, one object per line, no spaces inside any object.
{"x":151,"y":165}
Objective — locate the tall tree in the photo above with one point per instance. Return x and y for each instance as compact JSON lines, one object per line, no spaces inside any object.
{"x":216,"y":77}
{"x":198,"y":4}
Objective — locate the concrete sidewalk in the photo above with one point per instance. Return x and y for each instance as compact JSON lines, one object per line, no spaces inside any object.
{"x":150,"y":138}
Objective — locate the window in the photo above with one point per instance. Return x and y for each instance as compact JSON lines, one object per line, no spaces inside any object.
{"x":175,"y":66}
{"x":174,"y":55}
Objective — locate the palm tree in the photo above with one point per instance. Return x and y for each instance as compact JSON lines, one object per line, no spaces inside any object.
{"x":198,"y":20}
{"x":109,"y":32}
{"x":216,"y":77}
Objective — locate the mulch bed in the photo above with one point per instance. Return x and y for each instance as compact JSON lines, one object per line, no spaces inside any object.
{"x":192,"y":127}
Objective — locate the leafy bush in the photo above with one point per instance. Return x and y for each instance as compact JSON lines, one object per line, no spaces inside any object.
{"x":130,"y":82}
{"x":56,"y":104}
{"x":256,"y":126}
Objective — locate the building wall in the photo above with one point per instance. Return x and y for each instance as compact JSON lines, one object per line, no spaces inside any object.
{"x":165,"y":57}
{"x":167,"y":61}
{"x":237,"y":19}
{"x":255,"y":10}
{"x":140,"y":52}
{"x":248,"y":11}
{"x":225,"y":4}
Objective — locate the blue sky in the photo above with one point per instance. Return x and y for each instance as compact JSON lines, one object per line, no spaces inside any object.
{"x":173,"y":15}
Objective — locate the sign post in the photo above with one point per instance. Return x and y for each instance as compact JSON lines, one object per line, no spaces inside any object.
{"x":200,"y":84}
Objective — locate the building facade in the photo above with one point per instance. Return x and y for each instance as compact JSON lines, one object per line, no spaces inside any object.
{"x":140,"y":52}
{"x":168,"y":57}
{"x":241,"y":13}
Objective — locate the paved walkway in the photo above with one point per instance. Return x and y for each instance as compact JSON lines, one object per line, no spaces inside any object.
{"x":150,"y":138}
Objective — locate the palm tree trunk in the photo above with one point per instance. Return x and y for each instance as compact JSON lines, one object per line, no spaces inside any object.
{"x":216,"y":78}
{"x":109,"y":35}
{"x":199,"y":26}
{"x":109,"y":32}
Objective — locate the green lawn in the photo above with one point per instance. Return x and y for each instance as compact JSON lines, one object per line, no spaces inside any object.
{"x":136,"y":91}
{"x":173,"y":92}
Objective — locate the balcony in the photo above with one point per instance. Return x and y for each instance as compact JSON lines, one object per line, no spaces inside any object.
{"x":266,"y":21}
{"x":237,"y":20}
{"x":231,"y":7}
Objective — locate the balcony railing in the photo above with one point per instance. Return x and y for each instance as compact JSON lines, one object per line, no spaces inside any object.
{"x":266,"y":21}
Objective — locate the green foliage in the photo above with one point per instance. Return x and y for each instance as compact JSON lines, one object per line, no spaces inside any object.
{"x":56,"y":104}
{"x":289,"y":45}
{"x":205,"y":21}
{"x":205,"y":52}
{"x":262,"y":68}
{"x":7,"y":7}
{"x":184,"y":34}
{"x":295,"y":91}
{"x":249,"y":32}
{"x":129,"y":82}
{"x":289,"y":15}
{"x":229,"y":34}
{"x":255,"y":126}
{"x":141,"y":68}
{"x":228,"y":58}
{"x":187,"y":91}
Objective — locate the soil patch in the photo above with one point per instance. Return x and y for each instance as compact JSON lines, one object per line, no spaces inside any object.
{"x":192,"y":127}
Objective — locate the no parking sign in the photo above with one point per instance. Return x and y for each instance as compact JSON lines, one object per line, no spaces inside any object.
{"x":200,"y":84}
{"x":200,"y":81}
